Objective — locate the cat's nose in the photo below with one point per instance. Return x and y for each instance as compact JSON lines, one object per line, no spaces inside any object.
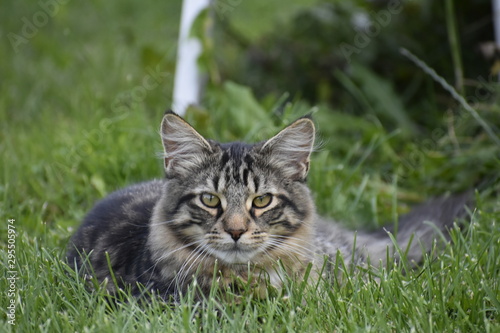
{"x":236,"y":233}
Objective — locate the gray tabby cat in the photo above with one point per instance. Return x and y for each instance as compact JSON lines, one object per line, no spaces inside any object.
{"x":229,"y":210}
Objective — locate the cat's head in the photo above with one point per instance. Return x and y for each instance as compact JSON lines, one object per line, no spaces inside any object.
{"x":236,"y":202}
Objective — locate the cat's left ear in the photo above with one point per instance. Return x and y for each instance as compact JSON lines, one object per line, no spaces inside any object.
{"x":290,"y":149}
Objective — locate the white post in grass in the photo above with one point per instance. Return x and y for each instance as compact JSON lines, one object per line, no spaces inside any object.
{"x":496,"y":23}
{"x":187,"y":82}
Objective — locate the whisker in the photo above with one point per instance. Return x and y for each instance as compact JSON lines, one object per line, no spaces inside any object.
{"x":162,"y":257}
{"x":178,"y":249}
{"x":178,"y":272}
{"x":275,"y":239}
{"x":147,"y":225}
{"x":163,"y":222}
{"x":291,"y":237}
{"x":184,"y":271}
{"x":293,"y":250}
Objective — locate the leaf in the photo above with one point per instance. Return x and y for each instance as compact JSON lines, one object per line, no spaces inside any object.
{"x":380,"y":94}
{"x":98,"y":184}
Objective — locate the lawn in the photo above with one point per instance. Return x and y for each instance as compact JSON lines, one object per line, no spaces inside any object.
{"x":79,"y":119}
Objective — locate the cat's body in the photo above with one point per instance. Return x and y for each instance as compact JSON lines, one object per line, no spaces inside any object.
{"x":225,"y":211}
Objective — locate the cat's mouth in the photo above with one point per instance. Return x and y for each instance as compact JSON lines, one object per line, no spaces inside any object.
{"x":235,"y":256}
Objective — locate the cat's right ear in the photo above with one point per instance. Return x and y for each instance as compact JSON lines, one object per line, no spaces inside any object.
{"x":184,"y":147}
{"x":290,"y":149}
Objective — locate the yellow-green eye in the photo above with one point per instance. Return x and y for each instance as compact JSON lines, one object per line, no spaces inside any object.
{"x":210,"y":200}
{"x":262,"y":201}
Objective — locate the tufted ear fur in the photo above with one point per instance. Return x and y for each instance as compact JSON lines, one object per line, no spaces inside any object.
{"x":290,"y":149}
{"x":184,"y":147}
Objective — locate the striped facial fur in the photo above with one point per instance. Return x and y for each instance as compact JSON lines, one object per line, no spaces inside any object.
{"x":234,"y":203}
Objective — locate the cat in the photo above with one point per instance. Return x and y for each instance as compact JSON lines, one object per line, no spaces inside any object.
{"x":232,"y":211}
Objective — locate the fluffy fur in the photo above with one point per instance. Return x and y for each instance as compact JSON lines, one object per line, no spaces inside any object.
{"x":227,"y":211}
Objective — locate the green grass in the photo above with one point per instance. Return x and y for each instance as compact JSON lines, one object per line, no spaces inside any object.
{"x":74,"y":127}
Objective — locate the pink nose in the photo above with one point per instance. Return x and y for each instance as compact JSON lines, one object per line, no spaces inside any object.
{"x":236,"y":233}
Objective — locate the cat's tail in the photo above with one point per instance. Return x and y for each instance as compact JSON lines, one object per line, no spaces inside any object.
{"x":416,"y":231}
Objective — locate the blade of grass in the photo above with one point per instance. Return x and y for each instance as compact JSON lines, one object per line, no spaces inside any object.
{"x":439,"y":79}
{"x":451,"y":25}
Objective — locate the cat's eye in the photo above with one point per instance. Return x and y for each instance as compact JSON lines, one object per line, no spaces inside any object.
{"x":262,"y":201}
{"x":210,"y":200}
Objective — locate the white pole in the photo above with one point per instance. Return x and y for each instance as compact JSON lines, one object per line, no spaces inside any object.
{"x":496,"y":23}
{"x":187,"y":82}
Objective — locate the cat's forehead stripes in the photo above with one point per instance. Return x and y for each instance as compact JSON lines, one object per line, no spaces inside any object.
{"x":236,"y":164}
